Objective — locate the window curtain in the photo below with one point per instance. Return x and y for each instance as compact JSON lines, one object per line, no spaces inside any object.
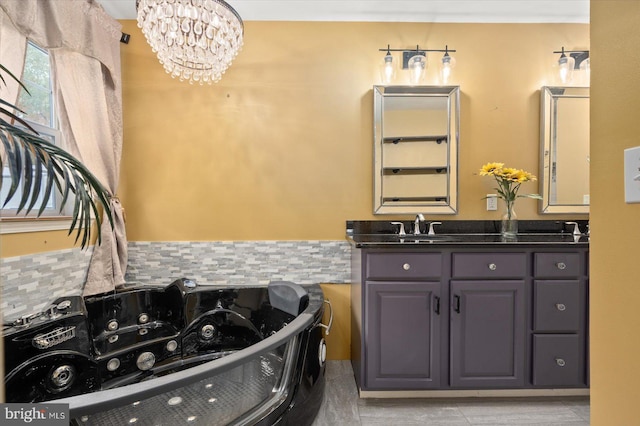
{"x":84,"y":43}
{"x":13,"y":47}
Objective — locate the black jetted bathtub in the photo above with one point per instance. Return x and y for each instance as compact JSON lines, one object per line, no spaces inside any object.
{"x":180,"y":354}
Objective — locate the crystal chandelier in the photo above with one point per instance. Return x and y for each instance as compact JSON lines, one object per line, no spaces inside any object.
{"x":195,"y":40}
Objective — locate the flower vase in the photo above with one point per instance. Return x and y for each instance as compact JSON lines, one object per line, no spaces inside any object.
{"x":509,"y":223}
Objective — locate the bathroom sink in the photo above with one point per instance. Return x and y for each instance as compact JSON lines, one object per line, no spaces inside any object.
{"x":426,"y":237}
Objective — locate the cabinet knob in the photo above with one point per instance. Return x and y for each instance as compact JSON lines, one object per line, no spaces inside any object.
{"x":561,"y":306}
{"x":561,"y":265}
{"x":406,"y":266}
{"x":493,"y":266}
{"x":560,"y":362}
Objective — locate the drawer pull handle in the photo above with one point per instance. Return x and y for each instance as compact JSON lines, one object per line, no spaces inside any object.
{"x":493,"y":266}
{"x":561,"y":265}
{"x":561,"y":306}
{"x":406,"y":266}
{"x":560,"y":362}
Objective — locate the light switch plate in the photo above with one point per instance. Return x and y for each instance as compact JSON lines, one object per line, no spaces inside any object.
{"x":492,"y":202}
{"x":632,"y":175}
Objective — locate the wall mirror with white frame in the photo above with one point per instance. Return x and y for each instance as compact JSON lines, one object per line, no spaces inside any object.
{"x":564,"y":150}
{"x":416,"y":149}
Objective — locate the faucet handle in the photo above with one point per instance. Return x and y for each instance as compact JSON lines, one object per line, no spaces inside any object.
{"x":576,"y":228}
{"x":431,"y":230}
{"x":401,"y":232}
{"x":416,"y":225}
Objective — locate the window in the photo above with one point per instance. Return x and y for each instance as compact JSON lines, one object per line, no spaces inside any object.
{"x":39,"y":111}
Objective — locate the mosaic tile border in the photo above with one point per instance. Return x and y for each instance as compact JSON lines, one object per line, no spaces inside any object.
{"x":237,"y":263}
{"x":31,"y":282}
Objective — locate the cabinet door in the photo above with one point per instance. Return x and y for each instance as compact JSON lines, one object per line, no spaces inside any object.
{"x":402,"y":329}
{"x":487,"y":334}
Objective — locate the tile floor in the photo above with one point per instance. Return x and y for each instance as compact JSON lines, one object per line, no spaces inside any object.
{"x":342,"y":407}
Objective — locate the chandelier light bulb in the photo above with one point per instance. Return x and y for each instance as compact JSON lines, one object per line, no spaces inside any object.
{"x":195,"y":40}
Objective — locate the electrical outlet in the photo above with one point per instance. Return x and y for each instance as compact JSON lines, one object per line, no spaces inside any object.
{"x":492,"y":202}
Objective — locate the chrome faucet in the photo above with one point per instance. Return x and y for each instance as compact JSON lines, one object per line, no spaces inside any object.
{"x":401,"y":231}
{"x":576,"y":228}
{"x":416,"y":224}
{"x":431,"y":230}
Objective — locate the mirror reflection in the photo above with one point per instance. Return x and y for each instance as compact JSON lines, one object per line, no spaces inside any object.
{"x":415,"y":154}
{"x":564,"y":175}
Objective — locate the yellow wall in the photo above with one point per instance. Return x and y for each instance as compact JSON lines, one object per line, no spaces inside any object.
{"x":615,"y":225}
{"x":281,"y":147}
{"x":35,"y":242}
{"x":339,"y":338}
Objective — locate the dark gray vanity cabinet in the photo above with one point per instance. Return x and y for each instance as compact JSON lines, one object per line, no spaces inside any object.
{"x":486,"y":317}
{"x":402,"y":320}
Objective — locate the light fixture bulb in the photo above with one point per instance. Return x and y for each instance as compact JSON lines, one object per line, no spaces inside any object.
{"x":586,"y":67}
{"x":566,"y":65}
{"x":417,"y":68}
{"x":446,"y":66}
{"x":388,"y":68}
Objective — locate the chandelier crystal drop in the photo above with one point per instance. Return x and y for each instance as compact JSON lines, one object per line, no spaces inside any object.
{"x":195,"y":40}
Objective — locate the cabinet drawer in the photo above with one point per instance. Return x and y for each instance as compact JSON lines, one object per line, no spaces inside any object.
{"x":556,"y":265}
{"x":557,"y":305}
{"x":489,"y":265}
{"x":558,"y":360}
{"x":403,"y":265}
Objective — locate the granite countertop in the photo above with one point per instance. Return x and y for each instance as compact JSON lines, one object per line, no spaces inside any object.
{"x":455,"y":233}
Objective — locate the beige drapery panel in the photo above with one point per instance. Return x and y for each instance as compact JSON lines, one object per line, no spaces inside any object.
{"x":84,"y":43}
{"x":13,"y":46}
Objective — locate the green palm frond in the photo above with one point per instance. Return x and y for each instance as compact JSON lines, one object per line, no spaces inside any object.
{"x":26,"y":155}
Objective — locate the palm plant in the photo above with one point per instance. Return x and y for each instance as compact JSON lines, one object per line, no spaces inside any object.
{"x":26,"y":155}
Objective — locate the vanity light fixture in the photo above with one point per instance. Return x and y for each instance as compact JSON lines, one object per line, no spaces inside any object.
{"x":577,"y":60}
{"x":415,"y":60}
{"x":194,"y":40}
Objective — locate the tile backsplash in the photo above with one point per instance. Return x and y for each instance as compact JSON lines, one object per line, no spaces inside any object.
{"x":240,"y":263}
{"x":31,"y":282}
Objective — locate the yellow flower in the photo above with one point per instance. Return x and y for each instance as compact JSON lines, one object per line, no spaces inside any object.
{"x":509,"y":180}
{"x":522,"y":176}
{"x":508,"y":173}
{"x":491,"y":169}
